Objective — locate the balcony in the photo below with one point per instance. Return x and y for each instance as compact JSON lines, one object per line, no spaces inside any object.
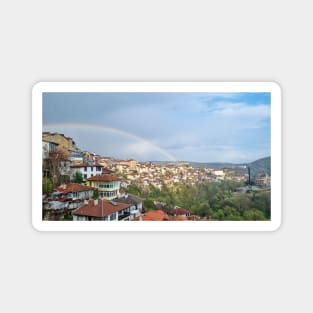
{"x":123,"y":216}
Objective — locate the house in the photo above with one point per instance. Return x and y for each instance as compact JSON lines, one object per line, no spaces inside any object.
{"x":47,"y":147}
{"x":87,"y":169}
{"x":219,"y":174}
{"x":77,"y":157}
{"x":179,"y":218}
{"x":263,"y":180}
{"x":134,"y":201}
{"x":75,"y":191}
{"x":59,"y":209}
{"x":108,"y":185}
{"x":178,"y":211}
{"x":102,"y":210}
{"x":66,"y":142}
{"x":156,"y":215}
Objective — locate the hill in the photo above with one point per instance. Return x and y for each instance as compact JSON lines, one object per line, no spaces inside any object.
{"x":256,"y":167}
{"x":260,"y":166}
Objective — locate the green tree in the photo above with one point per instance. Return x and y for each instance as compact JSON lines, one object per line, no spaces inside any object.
{"x":95,"y":194}
{"x":262,"y":202}
{"x":47,"y":185}
{"x":135,"y":190}
{"x":242,"y":203}
{"x":231,"y":214}
{"x":78,"y":177}
{"x":254,"y":215}
{"x":219,"y":215}
{"x":148,"y":204}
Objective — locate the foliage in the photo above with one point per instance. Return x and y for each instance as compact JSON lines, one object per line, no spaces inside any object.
{"x":54,"y":164}
{"x":254,"y":215}
{"x":67,"y":217}
{"x":95,"y":194}
{"x":78,"y":177}
{"x":47,"y":185}
{"x":217,"y":200}
{"x":148,"y":205}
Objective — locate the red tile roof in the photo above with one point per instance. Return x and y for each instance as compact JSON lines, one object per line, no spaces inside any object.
{"x":72,"y":187}
{"x":180,"y":211}
{"x":93,"y":210}
{"x":193,"y":218}
{"x":103,"y":177}
{"x":156,"y":215}
{"x":179,"y":218}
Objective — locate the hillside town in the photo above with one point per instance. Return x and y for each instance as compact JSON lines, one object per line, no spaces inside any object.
{"x":81,"y":185}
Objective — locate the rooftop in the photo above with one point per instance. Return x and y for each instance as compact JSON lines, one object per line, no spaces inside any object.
{"x":156,"y":215}
{"x":100,"y":208}
{"x":103,"y":178}
{"x":72,"y":187}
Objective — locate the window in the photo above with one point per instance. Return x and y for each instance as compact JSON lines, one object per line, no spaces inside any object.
{"x":106,"y":185}
{"x":85,"y":176}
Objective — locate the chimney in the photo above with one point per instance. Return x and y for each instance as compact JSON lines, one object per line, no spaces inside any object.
{"x":86,"y":202}
{"x":95,"y":202}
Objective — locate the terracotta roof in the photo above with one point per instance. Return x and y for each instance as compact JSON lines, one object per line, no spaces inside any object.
{"x":180,"y":211}
{"x":156,"y":215}
{"x":103,"y":177}
{"x":91,"y":209}
{"x":193,"y":218}
{"x":72,"y":187}
{"x":179,"y":218}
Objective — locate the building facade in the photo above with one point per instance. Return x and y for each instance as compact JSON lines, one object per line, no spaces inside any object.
{"x":107,"y":185}
{"x":102,"y":210}
{"x":75,"y":191}
{"x":87,"y":170}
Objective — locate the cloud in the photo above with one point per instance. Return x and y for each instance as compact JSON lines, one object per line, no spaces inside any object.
{"x":192,"y":126}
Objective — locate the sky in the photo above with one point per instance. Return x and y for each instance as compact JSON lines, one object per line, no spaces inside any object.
{"x":198,"y":127}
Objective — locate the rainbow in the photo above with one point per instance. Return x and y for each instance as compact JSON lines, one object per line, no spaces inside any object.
{"x":121,"y":132}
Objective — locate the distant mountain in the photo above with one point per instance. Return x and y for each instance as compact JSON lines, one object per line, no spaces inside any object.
{"x":256,"y":167}
{"x":260,"y":166}
{"x":215,"y":165}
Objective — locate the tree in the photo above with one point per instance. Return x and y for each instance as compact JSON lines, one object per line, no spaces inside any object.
{"x":254,"y":215}
{"x":95,"y":194}
{"x":78,"y":177}
{"x":54,"y":163}
{"x":47,"y":186}
{"x":148,"y":205}
{"x":135,"y":190}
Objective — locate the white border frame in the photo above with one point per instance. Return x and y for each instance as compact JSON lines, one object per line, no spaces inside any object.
{"x":219,"y":87}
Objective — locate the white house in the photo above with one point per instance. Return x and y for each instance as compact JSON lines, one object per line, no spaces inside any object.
{"x":108,"y":185}
{"x":134,"y":202}
{"x":87,"y":170}
{"x":102,"y":210}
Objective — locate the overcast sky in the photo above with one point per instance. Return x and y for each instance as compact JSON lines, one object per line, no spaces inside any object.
{"x":203,"y":127}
